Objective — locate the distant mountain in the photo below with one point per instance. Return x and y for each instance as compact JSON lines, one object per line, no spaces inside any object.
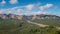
{"x":42,"y":16}
{"x":11,"y":16}
{"x":32,"y":17}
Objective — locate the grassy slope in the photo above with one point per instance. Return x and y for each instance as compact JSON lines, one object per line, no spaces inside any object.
{"x":22,"y":27}
{"x":54,"y":22}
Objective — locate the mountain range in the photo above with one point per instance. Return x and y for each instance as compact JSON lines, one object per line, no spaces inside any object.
{"x":32,"y":17}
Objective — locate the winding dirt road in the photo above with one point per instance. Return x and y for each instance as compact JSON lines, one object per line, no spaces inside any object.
{"x":41,"y":25}
{"x":38,"y":24}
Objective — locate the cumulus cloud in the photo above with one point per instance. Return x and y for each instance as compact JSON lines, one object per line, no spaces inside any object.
{"x":46,"y":6}
{"x":3,"y":2}
{"x":25,"y":10}
{"x":58,"y":15}
{"x":1,"y":12}
{"x":40,"y":12}
{"x":8,"y":11}
{"x":19,"y":10}
{"x":29,"y":7}
{"x":22,"y":12}
{"x":13,"y":1}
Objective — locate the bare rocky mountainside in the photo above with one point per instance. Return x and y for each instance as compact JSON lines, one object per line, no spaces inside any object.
{"x":32,"y":17}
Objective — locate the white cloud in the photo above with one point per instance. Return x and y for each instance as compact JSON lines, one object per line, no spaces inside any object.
{"x":29,"y":7}
{"x":5,"y":11}
{"x":46,"y":6}
{"x":25,"y":10}
{"x":1,"y":12}
{"x":26,"y":7}
{"x":13,"y":1}
{"x":8,"y":11}
{"x":40,"y":12}
{"x":58,"y":15}
{"x":49,"y":5}
{"x":3,"y":2}
{"x":19,"y":10}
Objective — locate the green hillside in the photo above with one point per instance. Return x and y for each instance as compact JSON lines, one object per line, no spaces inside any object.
{"x":54,"y":22}
{"x":12,"y":26}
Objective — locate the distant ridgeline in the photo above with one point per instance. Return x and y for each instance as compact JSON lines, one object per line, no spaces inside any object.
{"x":32,"y":17}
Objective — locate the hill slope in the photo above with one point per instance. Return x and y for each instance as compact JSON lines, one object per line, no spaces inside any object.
{"x":13,"y":26}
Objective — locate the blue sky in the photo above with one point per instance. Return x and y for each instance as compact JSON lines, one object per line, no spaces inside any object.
{"x":30,"y":7}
